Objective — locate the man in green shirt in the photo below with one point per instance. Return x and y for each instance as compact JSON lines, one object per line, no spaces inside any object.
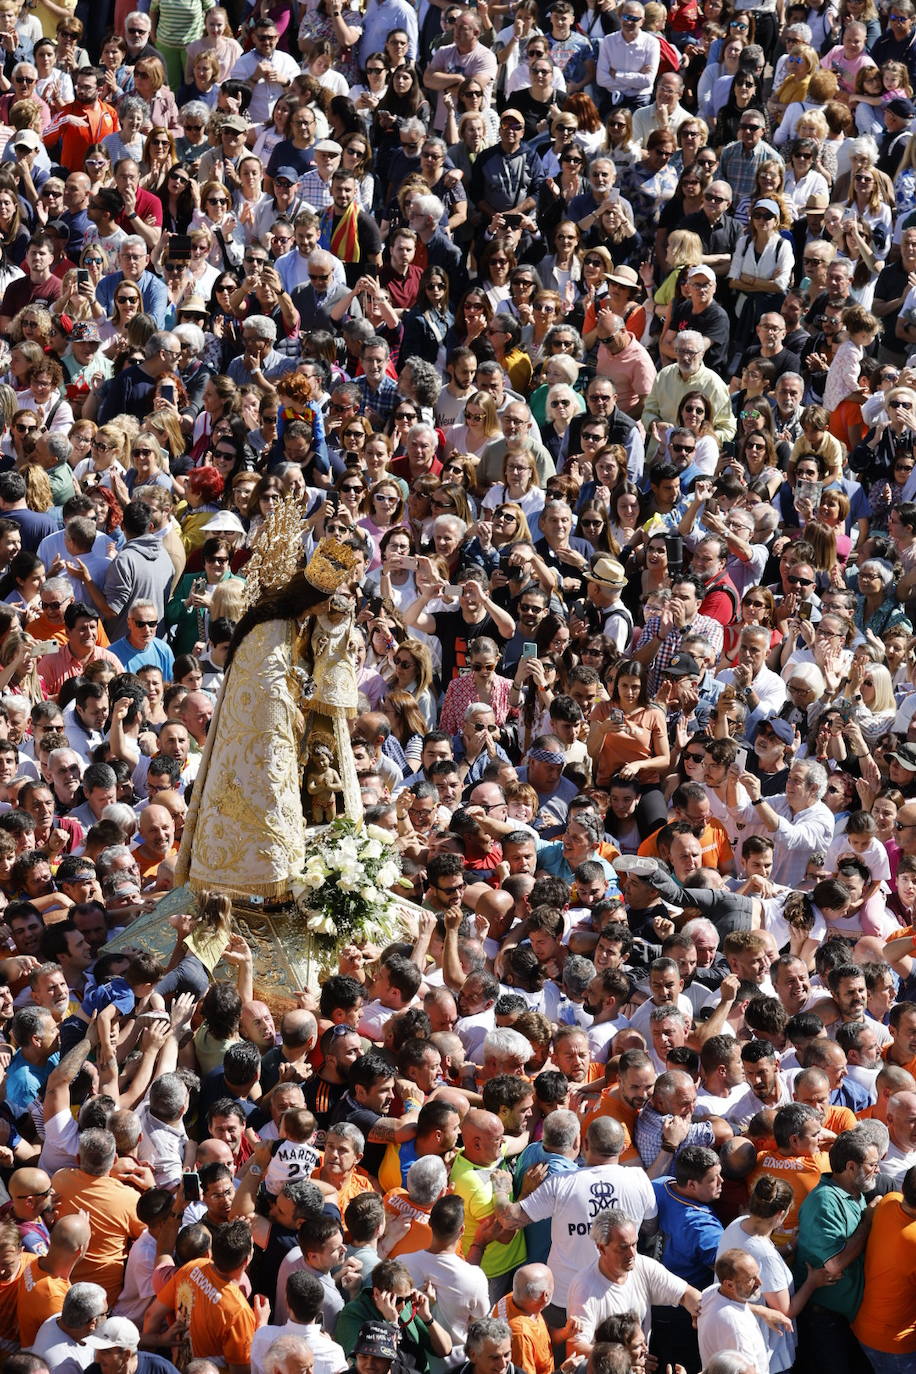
{"x":392,"y":1297}
{"x":473,"y":1173}
{"x":52,"y":452}
{"x":832,"y":1229}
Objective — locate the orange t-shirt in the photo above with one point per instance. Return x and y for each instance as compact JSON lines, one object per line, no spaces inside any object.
{"x":112,"y":1210}
{"x":610,"y":1103}
{"x":886,"y":1320}
{"x":885,"y":1055}
{"x":531,"y":1348}
{"x":221,"y":1325}
{"x":398,"y":1204}
{"x":803,"y":1174}
{"x":716,"y":850}
{"x":9,"y":1293}
{"x":358,"y":1182}
{"x":40,"y":1296}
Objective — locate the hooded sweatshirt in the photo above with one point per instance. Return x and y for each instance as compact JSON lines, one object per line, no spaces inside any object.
{"x":142,"y":571}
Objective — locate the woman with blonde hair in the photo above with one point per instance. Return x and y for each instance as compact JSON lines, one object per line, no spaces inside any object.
{"x":159,"y":156}
{"x":801,"y":64}
{"x":620,"y":145}
{"x":38,"y":494}
{"x":108,"y":464}
{"x":520,"y":487}
{"x":481,"y":425}
{"x":866,"y":199}
{"x":150,"y":85}
{"x":228,"y":600}
{"x":214,"y":214}
{"x":410,"y":671}
{"x":683,"y":250}
{"x":33,"y":324}
{"x":19,"y":667}
{"x":547,"y":310}
{"x":822,"y":87}
{"x":408,"y":724}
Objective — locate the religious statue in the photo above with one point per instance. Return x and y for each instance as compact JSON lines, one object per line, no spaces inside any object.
{"x":322,"y":783}
{"x":288,"y":685}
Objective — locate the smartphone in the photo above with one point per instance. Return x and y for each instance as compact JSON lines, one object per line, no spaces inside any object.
{"x":809,"y":491}
{"x":741,"y":760}
{"x":46,"y":646}
{"x":409,"y":562}
{"x":82,"y":277}
{"x":199,"y":584}
{"x":167,"y":392}
{"x":616,"y":716}
{"x":180,"y":248}
{"x":513,"y":220}
{"x":675,"y":545}
{"x":804,"y":610}
{"x":190,"y":1186}
{"x":452,"y":589}
{"x":529,"y":650}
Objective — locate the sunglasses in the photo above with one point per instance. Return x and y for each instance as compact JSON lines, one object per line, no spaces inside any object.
{"x":151,"y":624}
{"x":801,"y":581}
{"x":694,"y":758}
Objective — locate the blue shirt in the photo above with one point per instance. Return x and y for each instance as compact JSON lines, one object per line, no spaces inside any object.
{"x":157,"y":654}
{"x":152,"y":289}
{"x":537,"y":1233}
{"x":690,"y":1231}
{"x":25,"y":1081}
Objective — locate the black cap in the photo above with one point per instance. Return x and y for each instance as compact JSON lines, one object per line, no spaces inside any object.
{"x":683,"y":665}
{"x":379,"y":1339}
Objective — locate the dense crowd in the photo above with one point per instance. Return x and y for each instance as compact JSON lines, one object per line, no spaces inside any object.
{"x":586,"y":326}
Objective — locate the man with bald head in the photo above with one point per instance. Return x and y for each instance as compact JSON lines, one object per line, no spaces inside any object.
{"x":157,"y":840}
{"x":31,"y":1207}
{"x":195,"y":713}
{"x":901,"y":1122}
{"x":532,"y":1291}
{"x":290,"y":1059}
{"x":44,"y":1282}
{"x":478,"y":1179}
{"x":257,"y":1025}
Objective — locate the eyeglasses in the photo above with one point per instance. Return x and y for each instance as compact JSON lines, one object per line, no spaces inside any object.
{"x":483,"y":667}
{"x":750,"y":415}
{"x":800,"y":581}
{"x":217,"y":200}
{"x":683,"y":448}
{"x":750,"y":128}
{"x":408,"y":414}
{"x":52,"y":605}
{"x":125,"y":300}
{"x":151,"y":624}
{"x":351,"y":489}
{"x":897,"y":405}
{"x":25,"y":80}
{"x":103,"y":447}
{"x":142,"y":452}
{"x":694,"y":758}
{"x":24,"y":429}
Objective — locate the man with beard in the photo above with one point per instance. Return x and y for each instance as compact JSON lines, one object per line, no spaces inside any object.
{"x":85,"y":121}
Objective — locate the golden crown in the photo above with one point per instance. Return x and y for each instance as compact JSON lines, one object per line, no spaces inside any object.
{"x":330,"y":565}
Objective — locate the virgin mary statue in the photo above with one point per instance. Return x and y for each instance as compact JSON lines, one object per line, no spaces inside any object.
{"x":289,"y":690}
{"x":290,"y":684}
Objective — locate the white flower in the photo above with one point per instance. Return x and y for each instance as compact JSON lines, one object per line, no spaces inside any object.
{"x":388,"y":874}
{"x":375,"y":832}
{"x":372,"y":850}
{"x":321,"y":925}
{"x":369,"y":893}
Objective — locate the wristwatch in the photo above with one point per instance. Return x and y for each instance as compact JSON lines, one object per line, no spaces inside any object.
{"x":759,"y":801}
{"x":255,"y":1170}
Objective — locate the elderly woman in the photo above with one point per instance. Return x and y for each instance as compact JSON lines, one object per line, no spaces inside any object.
{"x":877,"y":607}
{"x":483,"y":685}
{"x":578,"y":844}
{"x":562,"y":404}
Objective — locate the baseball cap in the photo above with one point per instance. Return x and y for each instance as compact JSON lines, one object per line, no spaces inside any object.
{"x":379,"y":1339}
{"x":900,"y":106}
{"x":28,"y":137}
{"x":85,"y":331}
{"x":235,"y":123}
{"x":905,"y":755}
{"x":682,"y":665}
{"x":287,"y":174}
{"x":117,"y":1333}
{"x":702,"y":271}
{"x":767,"y":204}
{"x":783,"y":729}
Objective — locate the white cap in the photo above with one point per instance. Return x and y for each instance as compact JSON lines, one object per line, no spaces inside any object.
{"x":227,"y":521}
{"x":117,"y":1333}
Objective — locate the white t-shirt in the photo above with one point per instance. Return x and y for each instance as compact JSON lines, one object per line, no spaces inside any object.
{"x":592,"y":1297}
{"x":775,"y":1277}
{"x":137,"y":1292}
{"x":61,"y":1146}
{"x":642,"y":1016}
{"x":728,"y":1325}
{"x":292,"y":1160}
{"x":462,"y":1295}
{"x":874,"y":856}
{"x":600,"y":1037}
{"x":573,"y":1200}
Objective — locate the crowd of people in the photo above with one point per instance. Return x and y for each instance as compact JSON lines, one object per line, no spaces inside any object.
{"x":609,"y":306}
